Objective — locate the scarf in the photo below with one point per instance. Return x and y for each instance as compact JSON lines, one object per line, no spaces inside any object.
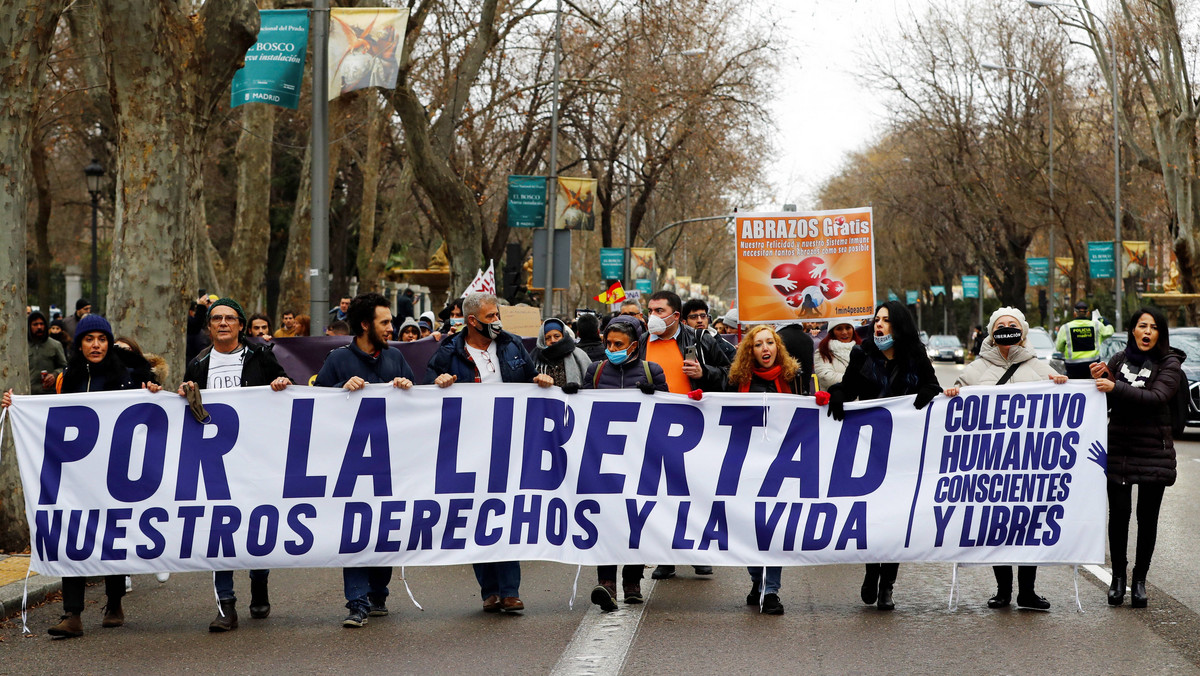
{"x":1137,"y":366}
{"x":773,"y":374}
{"x":556,"y":352}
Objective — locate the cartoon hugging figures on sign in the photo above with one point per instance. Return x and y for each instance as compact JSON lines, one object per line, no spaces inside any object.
{"x":806,"y":285}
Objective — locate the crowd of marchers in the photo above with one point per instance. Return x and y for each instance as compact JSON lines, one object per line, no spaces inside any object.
{"x":667,"y":347}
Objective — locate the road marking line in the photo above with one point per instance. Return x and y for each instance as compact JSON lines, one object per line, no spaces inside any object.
{"x":602,"y":641}
{"x":1102,"y":574}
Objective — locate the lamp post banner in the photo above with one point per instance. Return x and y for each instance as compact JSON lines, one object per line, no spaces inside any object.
{"x":805,"y":266}
{"x":274,"y":67}
{"x":130,"y":482}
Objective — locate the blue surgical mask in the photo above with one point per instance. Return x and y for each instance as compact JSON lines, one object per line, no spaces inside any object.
{"x":616,"y":357}
{"x":884,"y":342}
{"x":457,"y":321}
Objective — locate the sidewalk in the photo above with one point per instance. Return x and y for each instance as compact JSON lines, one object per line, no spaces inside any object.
{"x":12,"y":584}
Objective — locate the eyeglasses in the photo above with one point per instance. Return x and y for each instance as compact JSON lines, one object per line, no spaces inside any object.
{"x":487,"y":358}
{"x":698,"y":315}
{"x":223,"y":319}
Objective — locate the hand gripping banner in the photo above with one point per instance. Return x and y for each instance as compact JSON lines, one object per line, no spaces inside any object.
{"x":129,"y":482}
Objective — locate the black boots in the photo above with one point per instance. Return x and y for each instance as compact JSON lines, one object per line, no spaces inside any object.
{"x":870,"y":586}
{"x":1116,"y":590}
{"x":260,"y":603}
{"x":226,"y":619}
{"x":1137,"y":594}
{"x":1000,"y":600}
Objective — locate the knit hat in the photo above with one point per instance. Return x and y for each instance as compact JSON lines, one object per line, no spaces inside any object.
{"x":94,"y":322}
{"x":231,"y":303}
{"x":82,"y":303}
{"x":1010,"y":312}
{"x":627,"y":319}
{"x":553,"y":325}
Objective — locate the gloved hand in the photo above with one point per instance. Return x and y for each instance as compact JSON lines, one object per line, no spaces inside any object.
{"x":925,"y":395}
{"x":696,"y":394}
{"x":837,"y":409}
{"x":822,"y":397}
{"x":570,"y":388}
{"x":646,"y":387}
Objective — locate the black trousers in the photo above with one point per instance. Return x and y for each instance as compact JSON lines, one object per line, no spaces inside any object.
{"x":1026,"y":576}
{"x":1120,"y":504}
{"x":886,"y":572}
{"x":72,"y":591}
{"x":629,"y":573}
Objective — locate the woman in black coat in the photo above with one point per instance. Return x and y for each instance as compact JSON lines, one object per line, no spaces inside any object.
{"x":96,"y":366}
{"x":892,"y":364}
{"x":1141,"y":383}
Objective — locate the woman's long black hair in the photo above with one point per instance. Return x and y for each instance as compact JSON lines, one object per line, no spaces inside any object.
{"x":904,"y":329}
{"x":1163,"y":345}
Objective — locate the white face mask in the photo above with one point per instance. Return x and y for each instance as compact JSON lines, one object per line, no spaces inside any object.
{"x":656,"y":325}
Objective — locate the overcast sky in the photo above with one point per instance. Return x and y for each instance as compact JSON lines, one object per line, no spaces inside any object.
{"x":823,"y":111}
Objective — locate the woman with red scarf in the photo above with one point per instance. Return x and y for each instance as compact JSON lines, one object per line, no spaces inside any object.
{"x":762,"y":364}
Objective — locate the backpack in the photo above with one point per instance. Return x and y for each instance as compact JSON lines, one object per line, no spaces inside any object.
{"x":600,"y":367}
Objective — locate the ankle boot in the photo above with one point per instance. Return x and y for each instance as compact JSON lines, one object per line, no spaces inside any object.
{"x":114,"y":616}
{"x":870,"y":585}
{"x":260,"y":604}
{"x":69,"y":627}
{"x":226,"y":619}
{"x":1116,"y":591}
{"x":1137,"y":595}
{"x":885,"y":597}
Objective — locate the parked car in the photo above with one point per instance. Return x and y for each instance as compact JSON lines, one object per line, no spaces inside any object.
{"x":1186,"y":410}
{"x":945,"y":348}
{"x":1039,"y":340}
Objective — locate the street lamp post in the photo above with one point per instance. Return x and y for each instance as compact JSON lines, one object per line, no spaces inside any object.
{"x":1052,"y":268}
{"x":552,"y":181}
{"x":94,"y":173}
{"x":1112,"y":67}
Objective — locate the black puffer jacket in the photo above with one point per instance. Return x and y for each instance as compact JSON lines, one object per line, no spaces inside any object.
{"x":871,"y":375}
{"x":1140,"y":447}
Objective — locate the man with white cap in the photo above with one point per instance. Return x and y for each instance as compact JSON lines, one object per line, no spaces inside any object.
{"x":1004,"y":359}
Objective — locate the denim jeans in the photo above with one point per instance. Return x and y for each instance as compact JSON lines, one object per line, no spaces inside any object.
{"x":223,"y":582}
{"x":364,"y":584}
{"x":499,"y":579}
{"x":773,"y":575}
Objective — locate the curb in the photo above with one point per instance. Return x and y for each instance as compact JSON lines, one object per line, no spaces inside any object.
{"x":40,"y":586}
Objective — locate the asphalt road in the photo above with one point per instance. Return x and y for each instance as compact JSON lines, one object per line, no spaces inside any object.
{"x":689,"y":625}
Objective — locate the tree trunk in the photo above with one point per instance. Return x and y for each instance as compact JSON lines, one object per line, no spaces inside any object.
{"x":41,"y":223}
{"x":370,"y":195}
{"x":293,"y":281}
{"x":166,"y":72}
{"x":26,"y":28}
{"x":246,"y":262}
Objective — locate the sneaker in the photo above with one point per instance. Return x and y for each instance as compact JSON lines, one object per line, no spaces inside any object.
{"x":604,"y":596}
{"x":355,"y":620}
{"x":633,"y":592}
{"x":378,"y":609}
{"x":771,"y":605}
{"x":753,"y":597}
{"x":162,"y":577}
{"x":663,"y":573}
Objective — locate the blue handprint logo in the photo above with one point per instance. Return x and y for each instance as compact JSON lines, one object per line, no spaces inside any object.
{"x":1098,"y":455}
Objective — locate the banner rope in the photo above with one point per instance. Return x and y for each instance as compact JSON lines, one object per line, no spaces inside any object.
{"x":404,"y":578}
{"x":3,"y":417}
{"x":217,"y":596}
{"x":575,"y":587}
{"x":25,"y":602}
{"x":1077,"y":603}
{"x":952,"y":605}
{"x":765,"y":437}
{"x":762,"y":588}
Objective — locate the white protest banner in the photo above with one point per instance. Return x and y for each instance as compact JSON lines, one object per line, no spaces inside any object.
{"x":129,"y":482}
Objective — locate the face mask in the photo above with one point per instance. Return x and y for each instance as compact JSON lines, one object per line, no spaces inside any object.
{"x":490,"y":331}
{"x":884,"y":342}
{"x":616,"y":357}
{"x":656,"y":325}
{"x":457,"y":321}
{"x":1007,"y":335}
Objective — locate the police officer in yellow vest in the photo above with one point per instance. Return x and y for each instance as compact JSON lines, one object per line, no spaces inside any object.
{"x":1079,"y":341}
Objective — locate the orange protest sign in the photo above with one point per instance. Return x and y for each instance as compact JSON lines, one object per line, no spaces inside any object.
{"x":805,"y":266}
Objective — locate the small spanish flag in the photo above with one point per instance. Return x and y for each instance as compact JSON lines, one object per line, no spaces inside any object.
{"x":615,"y":294}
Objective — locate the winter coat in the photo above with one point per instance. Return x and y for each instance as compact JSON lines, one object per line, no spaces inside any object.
{"x":1140,"y":447}
{"x":871,"y":375}
{"x":44,"y":355}
{"x":991,"y":366}
{"x":574,"y":364}
{"x":628,"y":374}
{"x":121,"y":369}
{"x":713,"y":362}
{"x":801,"y":346}
{"x":258,"y":368}
{"x":348,"y":361}
{"x":452,"y":357}
{"x":830,"y":373}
